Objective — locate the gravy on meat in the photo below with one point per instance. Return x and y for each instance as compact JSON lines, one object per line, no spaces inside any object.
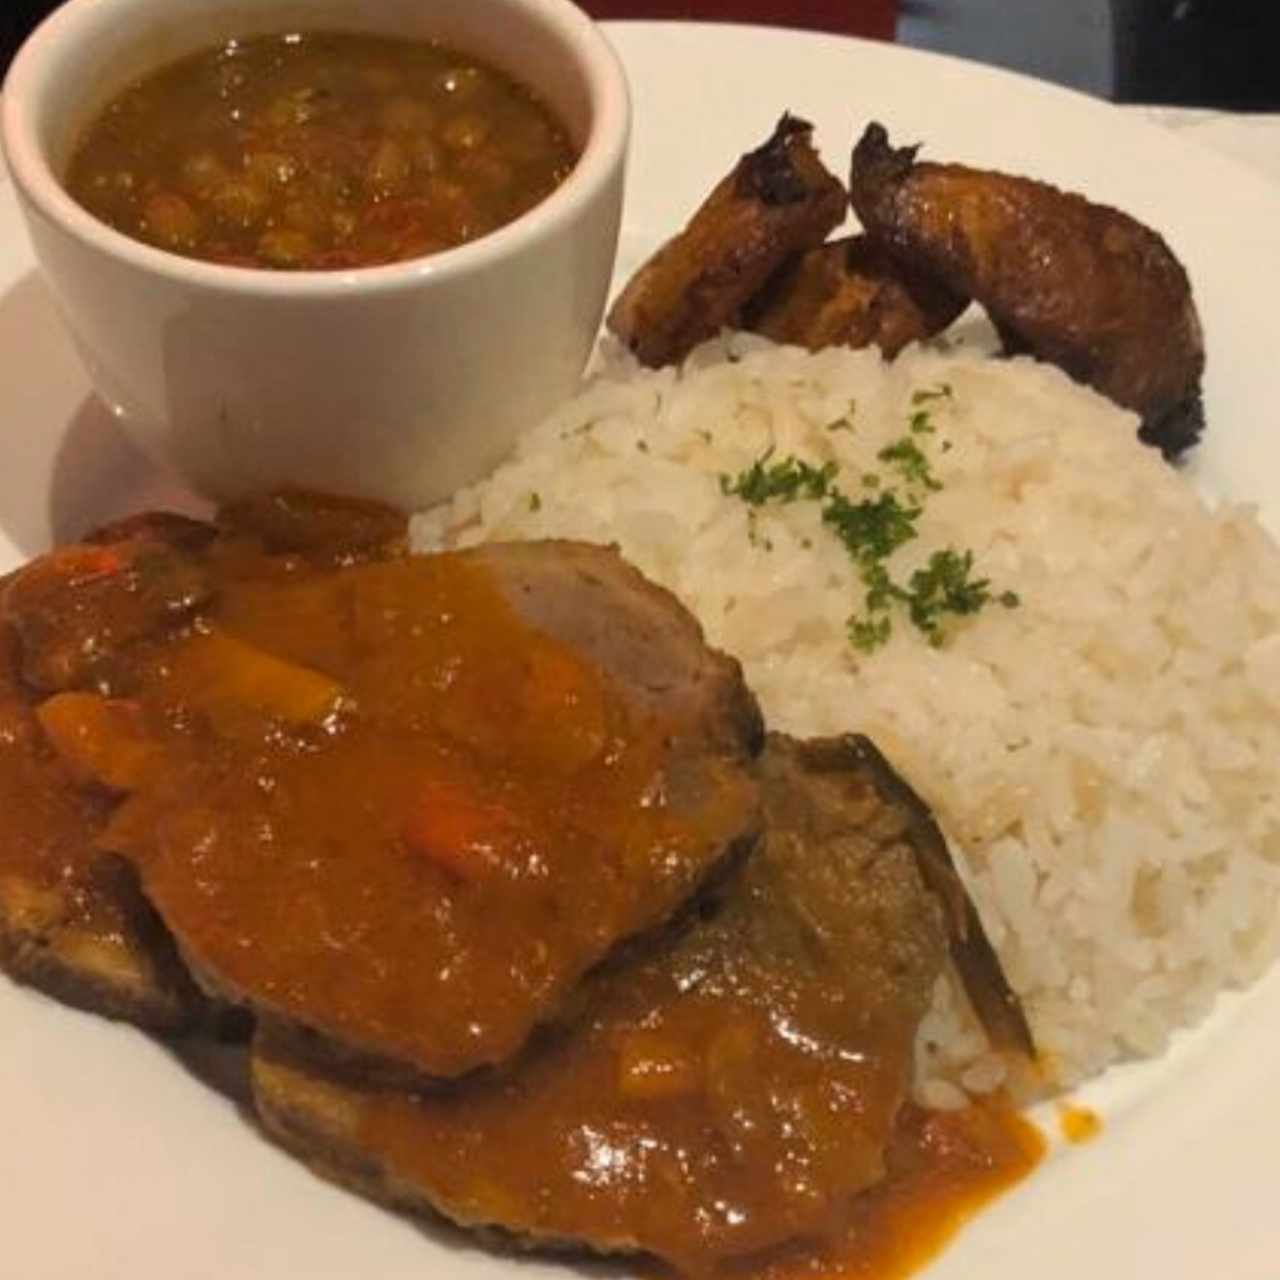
{"x":402,"y":809}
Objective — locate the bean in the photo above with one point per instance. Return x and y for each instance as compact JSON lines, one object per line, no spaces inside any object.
{"x":487,"y":168}
{"x":271,"y":168}
{"x":285,"y":247}
{"x":465,"y":132}
{"x":427,"y":156}
{"x":240,"y":201}
{"x":170,"y":219}
{"x":201,"y":171}
{"x":380,"y":77}
{"x":303,"y":215}
{"x":388,"y":167}
{"x":406,"y":115}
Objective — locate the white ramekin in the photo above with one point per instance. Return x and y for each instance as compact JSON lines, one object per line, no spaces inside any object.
{"x":400,"y":382}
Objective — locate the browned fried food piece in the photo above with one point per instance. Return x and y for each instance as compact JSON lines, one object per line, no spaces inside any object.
{"x":852,"y":293}
{"x":994,"y":1001}
{"x":778,"y":201}
{"x":1081,"y":285}
{"x":73,"y":922}
{"x":728,"y":1091}
{"x":70,"y":609}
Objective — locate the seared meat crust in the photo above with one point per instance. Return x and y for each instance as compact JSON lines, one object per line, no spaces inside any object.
{"x":777,"y":201}
{"x":1081,"y":285}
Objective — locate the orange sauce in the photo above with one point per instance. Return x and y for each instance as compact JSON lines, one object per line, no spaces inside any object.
{"x":1078,"y":1124}
{"x":444,"y":766}
{"x":947,"y":1167}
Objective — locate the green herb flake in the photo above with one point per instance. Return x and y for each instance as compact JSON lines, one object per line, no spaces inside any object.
{"x":942,"y":391}
{"x":642,"y":445}
{"x":868,"y":634}
{"x":535,"y":501}
{"x":920,"y":424}
{"x":910,"y":462}
{"x":845,"y":421}
{"x":944,"y":586}
{"x":784,"y":481}
{"x":873,"y":528}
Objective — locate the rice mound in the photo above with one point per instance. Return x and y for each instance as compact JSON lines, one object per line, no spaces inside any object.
{"x":1103,"y":757}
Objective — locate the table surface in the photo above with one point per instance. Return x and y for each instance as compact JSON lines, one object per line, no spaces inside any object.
{"x":1253,"y":139}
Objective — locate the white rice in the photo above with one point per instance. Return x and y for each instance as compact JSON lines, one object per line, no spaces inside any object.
{"x":1104,"y":757}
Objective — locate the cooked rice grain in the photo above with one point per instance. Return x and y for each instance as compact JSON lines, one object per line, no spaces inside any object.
{"x":1103,"y":757}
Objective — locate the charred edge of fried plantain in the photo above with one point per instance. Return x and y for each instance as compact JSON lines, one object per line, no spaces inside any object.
{"x":1175,"y":430}
{"x":769,"y":172}
{"x":875,"y":161}
{"x":993,"y":999}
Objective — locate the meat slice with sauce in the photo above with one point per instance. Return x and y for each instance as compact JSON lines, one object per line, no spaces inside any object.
{"x":728,"y":1091}
{"x":399,"y":804}
{"x":407,"y":804}
{"x":73,"y":922}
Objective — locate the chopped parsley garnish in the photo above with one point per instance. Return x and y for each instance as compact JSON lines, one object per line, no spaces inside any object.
{"x":845,"y":421}
{"x":873,"y":529}
{"x":868,"y":634}
{"x":910,"y":461}
{"x":785,"y":481}
{"x":535,"y":501}
{"x":941,"y":392}
{"x":920,"y":422}
{"x":945,"y":585}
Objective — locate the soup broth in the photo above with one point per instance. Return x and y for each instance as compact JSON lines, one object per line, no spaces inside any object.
{"x":319,"y":151}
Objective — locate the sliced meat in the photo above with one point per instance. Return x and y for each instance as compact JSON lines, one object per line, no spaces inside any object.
{"x":76,"y":607}
{"x":731,"y":1090}
{"x":1081,"y":285}
{"x":169,"y":527}
{"x":851,"y":293}
{"x":323,"y":527}
{"x":777,"y":201}
{"x":408,"y":804}
{"x":73,"y":923}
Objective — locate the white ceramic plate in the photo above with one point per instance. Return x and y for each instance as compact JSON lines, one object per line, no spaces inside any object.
{"x":115,"y":1161}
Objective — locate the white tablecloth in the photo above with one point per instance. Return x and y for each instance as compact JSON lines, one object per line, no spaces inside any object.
{"x":1253,"y":139}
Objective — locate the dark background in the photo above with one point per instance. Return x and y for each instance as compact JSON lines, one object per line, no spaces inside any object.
{"x":1222,"y":53}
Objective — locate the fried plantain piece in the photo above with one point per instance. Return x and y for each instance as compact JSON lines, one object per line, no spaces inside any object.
{"x":851,"y":293}
{"x":778,"y":201}
{"x":1080,"y":285}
